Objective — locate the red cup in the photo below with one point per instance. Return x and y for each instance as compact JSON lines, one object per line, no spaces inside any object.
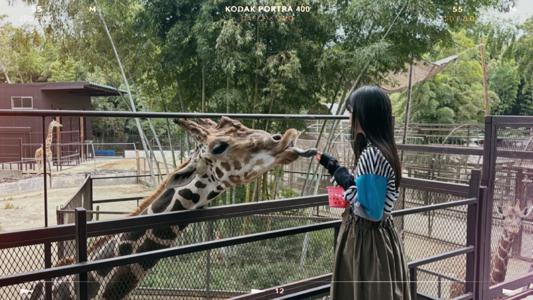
{"x":336,"y":197}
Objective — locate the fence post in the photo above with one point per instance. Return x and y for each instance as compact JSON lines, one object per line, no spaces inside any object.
{"x":81,"y":249}
{"x":471,"y":230}
{"x":519,"y":197}
{"x":21,"y":163}
{"x":48,"y":264}
{"x":483,"y":250}
{"x":488,"y":174}
{"x":90,"y":193}
{"x":138,"y":164}
{"x":47,"y":246}
{"x":60,"y":244}
{"x":412,"y":282}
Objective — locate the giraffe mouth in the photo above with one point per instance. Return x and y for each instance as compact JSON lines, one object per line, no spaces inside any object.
{"x":305,"y":152}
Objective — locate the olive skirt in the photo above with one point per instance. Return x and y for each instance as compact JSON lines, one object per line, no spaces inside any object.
{"x":369,"y":261}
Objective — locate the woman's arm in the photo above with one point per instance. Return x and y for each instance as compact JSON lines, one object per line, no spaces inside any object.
{"x":341,"y":174}
{"x":373,"y":173}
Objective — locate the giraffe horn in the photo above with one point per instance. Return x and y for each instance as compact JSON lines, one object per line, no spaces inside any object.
{"x":207,"y":122}
{"x":193,"y":128}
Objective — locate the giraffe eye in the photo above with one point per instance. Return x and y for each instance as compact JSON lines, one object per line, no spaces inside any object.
{"x":220,"y":148}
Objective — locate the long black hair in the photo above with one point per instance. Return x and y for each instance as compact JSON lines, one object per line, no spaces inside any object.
{"x":372,"y":108}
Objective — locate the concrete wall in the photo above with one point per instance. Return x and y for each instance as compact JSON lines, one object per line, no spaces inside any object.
{"x":35,"y":184}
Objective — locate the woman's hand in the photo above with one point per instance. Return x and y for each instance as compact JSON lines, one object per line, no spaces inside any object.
{"x":329,"y":162}
{"x":318,"y":155}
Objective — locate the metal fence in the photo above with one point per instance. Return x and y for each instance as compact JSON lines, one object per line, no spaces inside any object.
{"x":507,"y":164}
{"x":230,"y":250}
{"x":438,"y":231}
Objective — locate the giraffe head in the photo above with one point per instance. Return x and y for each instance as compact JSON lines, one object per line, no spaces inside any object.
{"x":55,"y":123}
{"x":235,"y":154}
{"x":512,"y":216}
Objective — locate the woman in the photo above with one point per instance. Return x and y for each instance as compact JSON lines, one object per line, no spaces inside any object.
{"x":369,"y":259}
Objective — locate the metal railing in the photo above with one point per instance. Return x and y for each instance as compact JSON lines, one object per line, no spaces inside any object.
{"x":493,"y":149}
{"x":83,"y":230}
{"x":321,"y":285}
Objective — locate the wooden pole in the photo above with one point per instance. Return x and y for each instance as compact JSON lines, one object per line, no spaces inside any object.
{"x":485,"y":77}
{"x":138,"y":163}
{"x":82,"y":137}
{"x":58,"y":145}
{"x":407,"y":114}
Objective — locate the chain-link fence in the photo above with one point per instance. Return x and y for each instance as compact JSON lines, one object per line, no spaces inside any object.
{"x":240,"y":268}
{"x":513,"y":186}
{"x":438,"y":231}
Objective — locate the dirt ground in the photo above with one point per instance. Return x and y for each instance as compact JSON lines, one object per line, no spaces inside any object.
{"x":25,"y":211}
{"x":103,"y":165}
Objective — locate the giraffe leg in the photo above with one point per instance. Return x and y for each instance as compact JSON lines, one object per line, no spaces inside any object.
{"x":38,"y":166}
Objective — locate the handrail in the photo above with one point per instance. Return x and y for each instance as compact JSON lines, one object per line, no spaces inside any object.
{"x":158,"y":254}
{"x":445,"y":255}
{"x":118,"y":200}
{"x":414,"y":210}
{"x":66,"y":232}
{"x":521,"y":281}
{"x":320,"y":289}
{"x":167,"y":115}
{"x":456,"y":189}
{"x":441,"y":149}
{"x":125,"y":176}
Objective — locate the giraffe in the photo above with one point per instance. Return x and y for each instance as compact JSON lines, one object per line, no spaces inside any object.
{"x":227,"y":154}
{"x":512,"y":217}
{"x":48,"y":147}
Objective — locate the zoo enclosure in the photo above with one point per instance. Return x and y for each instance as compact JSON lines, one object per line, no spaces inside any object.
{"x":81,"y":233}
{"x":488,"y":142}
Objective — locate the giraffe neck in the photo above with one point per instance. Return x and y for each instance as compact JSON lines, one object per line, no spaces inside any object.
{"x":192,"y":192}
{"x":49,"y":138}
{"x":500,"y":258}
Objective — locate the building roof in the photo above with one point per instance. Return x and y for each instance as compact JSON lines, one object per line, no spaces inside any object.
{"x":422,"y":71}
{"x":78,"y":87}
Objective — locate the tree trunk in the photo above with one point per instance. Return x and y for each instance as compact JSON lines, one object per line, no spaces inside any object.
{"x":203,"y":86}
{"x":4,"y":70}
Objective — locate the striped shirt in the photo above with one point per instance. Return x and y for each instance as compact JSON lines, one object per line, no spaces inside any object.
{"x":374,"y":192}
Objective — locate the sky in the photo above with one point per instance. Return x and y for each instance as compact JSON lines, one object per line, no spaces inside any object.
{"x":18,"y":13}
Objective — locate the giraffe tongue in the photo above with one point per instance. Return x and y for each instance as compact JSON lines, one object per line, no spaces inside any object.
{"x":305,"y":153}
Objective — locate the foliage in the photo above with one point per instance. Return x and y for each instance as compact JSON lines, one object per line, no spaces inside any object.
{"x":456,"y":94}
{"x":504,"y":81}
{"x":452,"y":96}
{"x":256,"y":265}
{"x":193,"y":56}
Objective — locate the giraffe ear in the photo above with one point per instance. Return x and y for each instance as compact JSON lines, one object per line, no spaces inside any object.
{"x":527,"y":211}
{"x":183,"y":176}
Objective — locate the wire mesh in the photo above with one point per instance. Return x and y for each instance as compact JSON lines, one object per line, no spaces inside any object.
{"x":442,"y":279}
{"x":31,"y":258}
{"x":513,"y":185}
{"x":238,"y":269}
{"x":229,"y":270}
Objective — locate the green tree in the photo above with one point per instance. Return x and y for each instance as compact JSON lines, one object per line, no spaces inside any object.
{"x":504,"y":81}
{"x":454,"y":95}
